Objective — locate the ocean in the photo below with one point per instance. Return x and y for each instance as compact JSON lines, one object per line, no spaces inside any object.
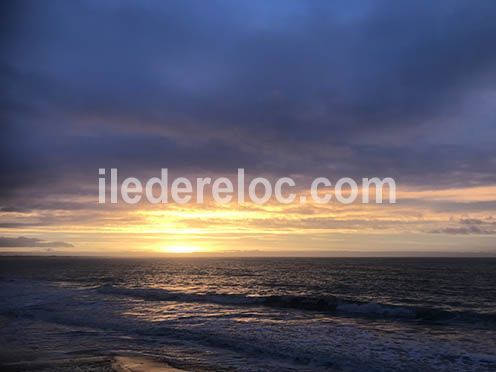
{"x":255,"y":314}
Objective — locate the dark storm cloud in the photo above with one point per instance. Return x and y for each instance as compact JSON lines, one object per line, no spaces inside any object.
{"x":353,"y":88}
{"x":23,"y":242}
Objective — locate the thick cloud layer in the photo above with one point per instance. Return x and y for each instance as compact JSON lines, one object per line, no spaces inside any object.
{"x":343,"y":88}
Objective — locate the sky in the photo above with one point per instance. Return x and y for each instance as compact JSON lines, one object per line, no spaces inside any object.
{"x":280,"y":88}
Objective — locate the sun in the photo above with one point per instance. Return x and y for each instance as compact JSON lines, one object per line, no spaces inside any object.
{"x":180,"y":249}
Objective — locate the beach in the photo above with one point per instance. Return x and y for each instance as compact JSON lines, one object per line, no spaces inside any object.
{"x":92,"y":364}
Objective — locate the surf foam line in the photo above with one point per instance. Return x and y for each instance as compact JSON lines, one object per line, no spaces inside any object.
{"x":328,"y":304}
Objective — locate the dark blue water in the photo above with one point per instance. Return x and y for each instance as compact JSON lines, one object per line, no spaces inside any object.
{"x":260,"y":314}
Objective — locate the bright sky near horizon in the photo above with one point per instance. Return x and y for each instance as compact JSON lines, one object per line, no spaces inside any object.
{"x":341,"y":89}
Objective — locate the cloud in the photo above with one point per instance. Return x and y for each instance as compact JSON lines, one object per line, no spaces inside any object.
{"x":17,"y":225}
{"x":286,"y":87}
{"x":403,"y":90}
{"x":24,"y":242}
{"x":464,"y":230}
{"x":459,"y":230}
{"x":488,"y":221}
{"x":14,"y":210}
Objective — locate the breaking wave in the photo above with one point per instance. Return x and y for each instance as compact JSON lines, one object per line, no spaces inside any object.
{"x":330,"y":304}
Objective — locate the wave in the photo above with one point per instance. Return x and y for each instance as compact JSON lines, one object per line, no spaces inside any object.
{"x":329,"y":304}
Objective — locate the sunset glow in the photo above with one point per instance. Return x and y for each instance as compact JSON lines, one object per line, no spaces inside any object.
{"x":247,"y":186}
{"x":196,"y":112}
{"x":180,"y":249}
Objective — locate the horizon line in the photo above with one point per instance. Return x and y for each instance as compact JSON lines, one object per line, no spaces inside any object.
{"x":261,"y":254}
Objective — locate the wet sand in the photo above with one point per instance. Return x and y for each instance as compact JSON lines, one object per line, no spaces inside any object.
{"x":90,"y":364}
{"x":140,"y":364}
